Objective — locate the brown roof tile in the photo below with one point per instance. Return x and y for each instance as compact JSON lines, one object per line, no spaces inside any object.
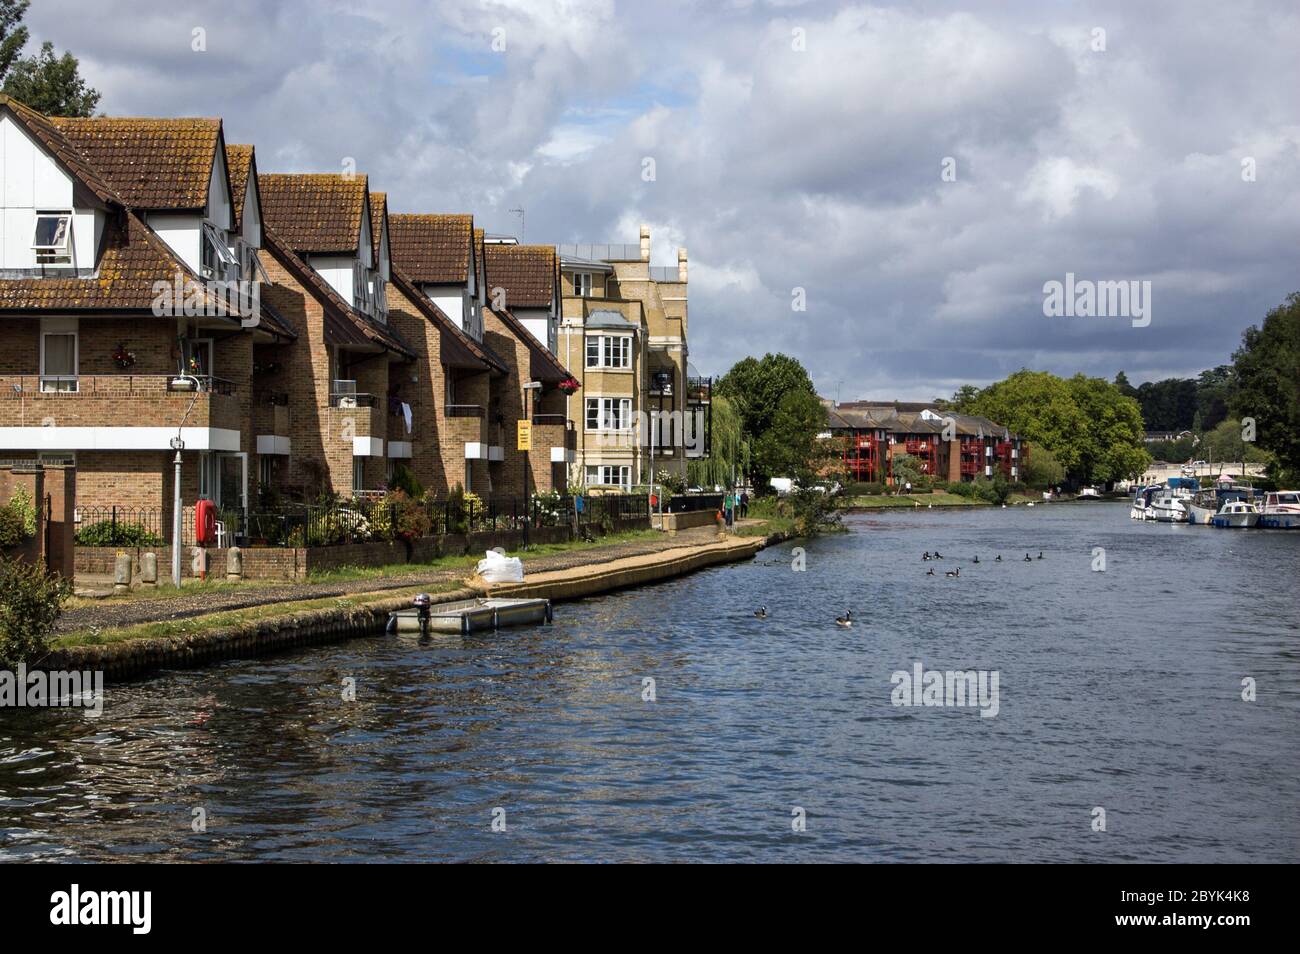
{"x":526,"y":272}
{"x":40,"y":126}
{"x":133,"y":259}
{"x":239,"y":160}
{"x":378,"y":215}
{"x":315,"y":213}
{"x":343,"y":324}
{"x":151,"y":163}
{"x":432,"y":249}
{"x":459,"y":350}
{"x":542,"y":365}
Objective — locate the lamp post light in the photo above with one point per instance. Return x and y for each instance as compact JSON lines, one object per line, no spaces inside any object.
{"x":178,"y":445}
{"x":529,"y":388}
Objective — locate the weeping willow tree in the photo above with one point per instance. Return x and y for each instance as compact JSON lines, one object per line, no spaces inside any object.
{"x":728,"y":461}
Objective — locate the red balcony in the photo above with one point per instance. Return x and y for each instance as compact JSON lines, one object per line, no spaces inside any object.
{"x":918,"y":447}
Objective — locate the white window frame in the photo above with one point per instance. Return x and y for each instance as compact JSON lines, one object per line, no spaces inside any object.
{"x":56,"y":254}
{"x":61,"y":327}
{"x":224,"y":262}
{"x":613,"y":414}
{"x":358,"y":475}
{"x":608,"y":475}
{"x":613,"y":352}
{"x":582,"y":284}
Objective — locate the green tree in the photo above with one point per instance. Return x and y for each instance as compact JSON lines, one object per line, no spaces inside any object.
{"x":51,"y":84}
{"x":1125,"y":388}
{"x":728,"y":449}
{"x":1266,"y":372}
{"x":755,"y":386}
{"x":1090,"y":428}
{"x":13,"y":35}
{"x":1041,"y":469}
{"x":790,"y":445}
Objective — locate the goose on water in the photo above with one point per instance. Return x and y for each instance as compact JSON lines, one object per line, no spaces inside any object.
{"x":761,"y":612}
{"x":846,"y":620}
{"x":954,"y":573}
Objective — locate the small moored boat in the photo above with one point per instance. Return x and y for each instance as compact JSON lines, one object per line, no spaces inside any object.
{"x":467,"y":616}
{"x":1281,"y":510}
{"x":1236,"y":513}
{"x":1089,"y":493}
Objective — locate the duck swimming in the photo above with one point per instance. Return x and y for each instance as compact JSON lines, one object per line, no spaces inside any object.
{"x":938,"y":555}
{"x":998,"y":558}
{"x":925,"y":556}
{"x":761,"y":612}
{"x":846,"y":620}
{"x":930,"y":572}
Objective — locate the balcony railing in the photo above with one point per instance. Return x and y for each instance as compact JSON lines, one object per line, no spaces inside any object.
{"x":114,"y":384}
{"x":205,"y":382}
{"x":352,"y":399}
{"x":464,"y":410}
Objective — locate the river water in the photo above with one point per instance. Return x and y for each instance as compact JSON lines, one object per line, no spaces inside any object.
{"x":1118,"y":690}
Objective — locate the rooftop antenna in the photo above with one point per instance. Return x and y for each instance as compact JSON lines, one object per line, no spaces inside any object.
{"x":520,"y":213}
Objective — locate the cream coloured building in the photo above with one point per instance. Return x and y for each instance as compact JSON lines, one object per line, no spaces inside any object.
{"x":623,"y":335}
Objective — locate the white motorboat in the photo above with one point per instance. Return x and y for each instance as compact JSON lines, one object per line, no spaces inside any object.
{"x":1169,"y":507}
{"x":1202,"y":508}
{"x":1281,"y":510}
{"x":1089,"y":493}
{"x":1236,"y":513}
{"x":1141,"y":508}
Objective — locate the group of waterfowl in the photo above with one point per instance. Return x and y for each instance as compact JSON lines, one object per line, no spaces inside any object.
{"x":936,"y":555}
{"x":845,"y":621}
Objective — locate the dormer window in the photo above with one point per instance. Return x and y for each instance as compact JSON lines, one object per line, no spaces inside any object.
{"x":216,"y":261}
{"x":582,"y":284}
{"x":52,"y":240}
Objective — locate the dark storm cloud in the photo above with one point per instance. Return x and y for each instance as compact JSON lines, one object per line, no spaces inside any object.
{"x":782,"y":168}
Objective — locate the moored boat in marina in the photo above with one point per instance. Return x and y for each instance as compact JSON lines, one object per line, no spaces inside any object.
{"x":1089,"y":493}
{"x":1236,"y":514}
{"x":1281,"y":511}
{"x":1169,"y":507}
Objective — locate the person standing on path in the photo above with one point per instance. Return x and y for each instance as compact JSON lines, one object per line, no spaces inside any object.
{"x":728,"y":503}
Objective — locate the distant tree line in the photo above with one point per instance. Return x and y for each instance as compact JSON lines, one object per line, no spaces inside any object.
{"x":43,"y":80}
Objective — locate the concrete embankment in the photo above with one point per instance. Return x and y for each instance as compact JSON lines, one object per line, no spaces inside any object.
{"x":290,"y":630}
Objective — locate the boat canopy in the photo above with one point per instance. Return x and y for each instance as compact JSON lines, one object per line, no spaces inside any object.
{"x":1185,"y":483}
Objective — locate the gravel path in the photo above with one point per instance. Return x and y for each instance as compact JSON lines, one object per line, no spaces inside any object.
{"x":109,"y":614}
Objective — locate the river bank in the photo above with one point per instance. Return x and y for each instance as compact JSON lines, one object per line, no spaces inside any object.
{"x":260,"y":620}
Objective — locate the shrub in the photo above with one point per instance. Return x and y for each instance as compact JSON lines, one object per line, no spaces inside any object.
{"x":410,"y":518}
{"x":12,"y":532}
{"x":106,"y":534}
{"x":962,"y":489}
{"x":30,"y":602}
{"x":405,"y":481}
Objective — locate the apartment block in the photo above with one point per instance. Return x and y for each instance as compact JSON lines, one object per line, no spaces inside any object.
{"x":623,"y":333}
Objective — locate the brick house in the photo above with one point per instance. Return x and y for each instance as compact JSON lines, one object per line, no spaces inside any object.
{"x":127,"y":289}
{"x":522,"y":286}
{"x":345,"y":380}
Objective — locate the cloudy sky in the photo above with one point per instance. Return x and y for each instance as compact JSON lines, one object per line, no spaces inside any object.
{"x":796,"y":145}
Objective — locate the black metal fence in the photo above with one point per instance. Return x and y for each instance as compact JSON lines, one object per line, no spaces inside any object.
{"x":360,"y":520}
{"x":692,"y":503}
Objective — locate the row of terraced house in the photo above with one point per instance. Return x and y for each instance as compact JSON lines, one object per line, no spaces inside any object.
{"x":870,"y":436}
{"x":302,"y":339}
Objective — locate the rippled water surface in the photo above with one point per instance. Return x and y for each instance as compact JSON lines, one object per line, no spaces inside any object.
{"x":1119,"y":690}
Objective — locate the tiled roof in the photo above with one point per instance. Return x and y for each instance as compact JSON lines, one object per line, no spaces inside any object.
{"x":542,"y":365}
{"x":344,"y":325}
{"x":40,"y":126}
{"x":478,"y":256}
{"x":151,"y":163}
{"x":459,"y":350}
{"x":315,"y":213}
{"x":432,"y":249}
{"x":133,"y":259}
{"x":526,"y":272}
{"x":239,"y":159}
{"x":378,"y":212}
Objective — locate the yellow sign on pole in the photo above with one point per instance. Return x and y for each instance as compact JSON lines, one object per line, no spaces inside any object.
{"x":525,"y":436}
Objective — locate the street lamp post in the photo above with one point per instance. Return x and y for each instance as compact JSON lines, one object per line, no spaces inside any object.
{"x":178,"y":445}
{"x":529,"y":388}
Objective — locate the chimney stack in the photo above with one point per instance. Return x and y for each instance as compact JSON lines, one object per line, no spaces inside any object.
{"x":645,"y":243}
{"x":681,"y":264}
